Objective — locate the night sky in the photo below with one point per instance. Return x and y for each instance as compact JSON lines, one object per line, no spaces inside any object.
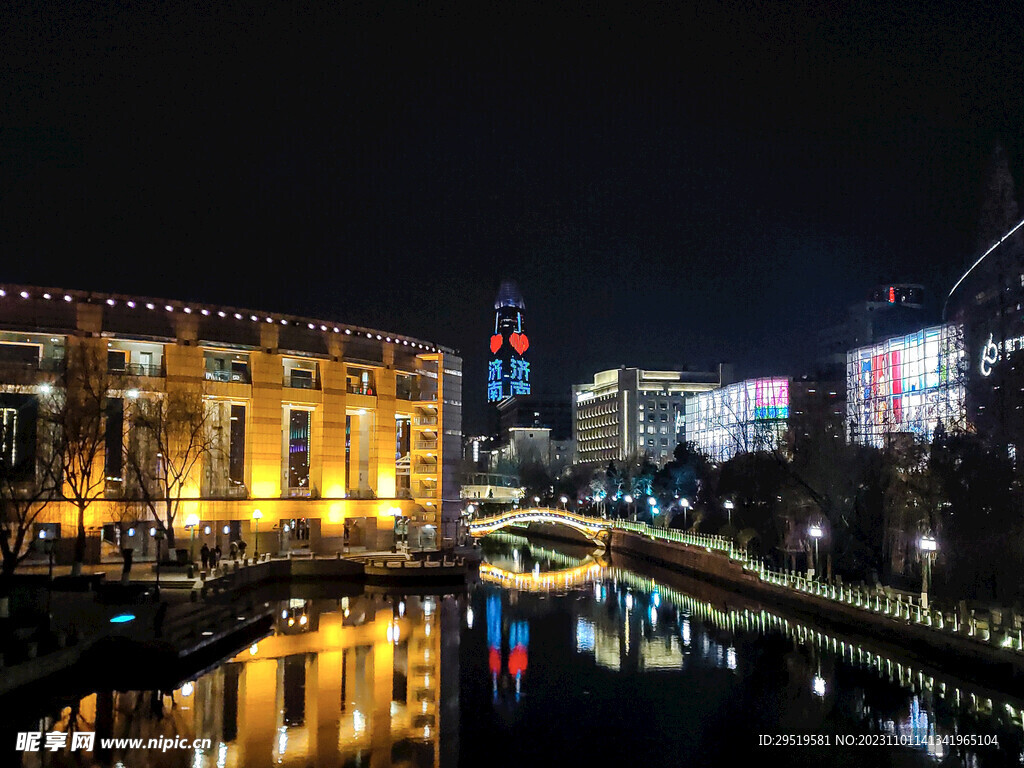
{"x":666,"y":188}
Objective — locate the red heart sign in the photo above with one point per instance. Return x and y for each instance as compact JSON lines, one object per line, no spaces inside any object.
{"x":495,"y":343}
{"x":519,"y":342}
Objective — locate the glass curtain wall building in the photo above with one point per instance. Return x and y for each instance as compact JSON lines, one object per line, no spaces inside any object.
{"x":907,"y":384}
{"x":750,"y":415}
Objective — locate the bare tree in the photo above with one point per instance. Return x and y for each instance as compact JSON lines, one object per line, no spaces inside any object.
{"x":126,"y":513}
{"x":171,"y":435}
{"x":78,"y":420}
{"x":29,"y":478}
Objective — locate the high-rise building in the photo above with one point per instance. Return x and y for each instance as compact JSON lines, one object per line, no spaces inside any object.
{"x":630,"y":410}
{"x":888,"y":310}
{"x":508,"y":370}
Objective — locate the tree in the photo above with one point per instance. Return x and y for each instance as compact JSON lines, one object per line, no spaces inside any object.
{"x":77,"y":420}
{"x":126,"y":513}
{"x":29,"y":477}
{"x":171,"y":434}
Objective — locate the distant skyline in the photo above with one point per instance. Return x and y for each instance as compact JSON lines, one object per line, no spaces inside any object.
{"x":665,"y":188}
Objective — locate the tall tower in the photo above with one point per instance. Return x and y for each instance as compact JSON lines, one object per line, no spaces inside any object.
{"x":508,"y":371}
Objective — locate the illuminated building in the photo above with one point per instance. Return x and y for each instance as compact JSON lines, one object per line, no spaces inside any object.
{"x":988,"y":302}
{"x":508,"y":370}
{"x":630,"y":410}
{"x":747,"y":416}
{"x":312,"y":420}
{"x":907,"y":384}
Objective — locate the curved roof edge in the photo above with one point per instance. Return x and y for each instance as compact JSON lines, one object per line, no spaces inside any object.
{"x":152,"y":303}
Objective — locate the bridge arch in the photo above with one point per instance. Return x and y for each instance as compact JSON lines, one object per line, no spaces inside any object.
{"x":598,"y":531}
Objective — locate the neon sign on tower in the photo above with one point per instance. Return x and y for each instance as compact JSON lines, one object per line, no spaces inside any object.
{"x":508,"y":370}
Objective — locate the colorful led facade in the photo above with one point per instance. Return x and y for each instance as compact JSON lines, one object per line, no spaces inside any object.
{"x":907,"y":384}
{"x":340,"y":426}
{"x":508,"y":370}
{"x":747,"y":416}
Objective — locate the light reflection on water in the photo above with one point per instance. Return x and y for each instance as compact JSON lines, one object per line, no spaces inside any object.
{"x":556,"y":650}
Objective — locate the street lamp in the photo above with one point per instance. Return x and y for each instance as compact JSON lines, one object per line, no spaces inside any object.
{"x":536,"y":500}
{"x":685,"y":504}
{"x":191,"y":522}
{"x":629,"y":500}
{"x":256,"y":517}
{"x":815,"y":532}
{"x":728,"y":508}
{"x":158,"y":535}
{"x":563,"y":499}
{"x":929,"y":546}
{"x":48,"y":545}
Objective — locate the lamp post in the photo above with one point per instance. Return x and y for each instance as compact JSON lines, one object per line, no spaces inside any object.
{"x":48,"y":545}
{"x":929,"y":546}
{"x":536,"y":500}
{"x":653,"y":503}
{"x":629,"y":500}
{"x":564,"y":499}
{"x":728,"y":508}
{"x":815,"y":532}
{"x":158,"y":535}
{"x":685,"y":504}
{"x":191,"y":523}
{"x":256,"y":517}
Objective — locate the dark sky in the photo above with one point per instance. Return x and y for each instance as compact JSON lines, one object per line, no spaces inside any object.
{"x":666,"y":188}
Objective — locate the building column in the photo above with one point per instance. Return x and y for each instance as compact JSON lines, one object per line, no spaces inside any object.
{"x":383,"y":473}
{"x":331,"y":424}
{"x":263,"y":438}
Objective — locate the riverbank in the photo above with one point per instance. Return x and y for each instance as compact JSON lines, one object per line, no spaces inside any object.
{"x":861,"y":612}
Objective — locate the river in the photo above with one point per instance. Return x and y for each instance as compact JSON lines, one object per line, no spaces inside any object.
{"x":558,"y":655}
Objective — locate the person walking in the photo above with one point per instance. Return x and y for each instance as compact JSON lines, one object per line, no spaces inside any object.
{"x":204,"y":555}
{"x":233,"y":550}
{"x":217,"y":554}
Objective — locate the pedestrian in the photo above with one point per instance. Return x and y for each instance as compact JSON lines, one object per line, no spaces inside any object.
{"x":204,"y":555}
{"x":241,"y":548}
{"x":217,"y":554}
{"x":233,"y":550}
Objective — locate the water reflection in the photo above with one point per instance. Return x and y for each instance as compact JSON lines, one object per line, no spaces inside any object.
{"x":556,"y":651}
{"x":640,"y":629}
{"x":354,"y":681}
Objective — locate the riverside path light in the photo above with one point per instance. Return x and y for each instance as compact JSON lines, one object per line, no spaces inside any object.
{"x":191,"y":523}
{"x":685,"y":504}
{"x":929,"y":546}
{"x":728,"y":508}
{"x":256,"y":517}
{"x":815,"y":532}
{"x":564,"y":499}
{"x":629,"y":500}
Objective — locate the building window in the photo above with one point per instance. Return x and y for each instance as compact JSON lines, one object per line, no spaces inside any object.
{"x":113,"y":439}
{"x":236,"y":446}
{"x":298,"y":449}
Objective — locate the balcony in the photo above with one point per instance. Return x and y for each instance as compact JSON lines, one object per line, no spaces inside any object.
{"x":300,"y":379}
{"x":425,"y":445}
{"x":425,"y":421}
{"x":300,"y":492}
{"x":136,"y":369}
{"x":359,"y":389}
{"x":237,"y":377}
{"x":16,"y":372}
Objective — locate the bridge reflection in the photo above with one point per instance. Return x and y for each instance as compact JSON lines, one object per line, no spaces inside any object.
{"x":668,"y":621}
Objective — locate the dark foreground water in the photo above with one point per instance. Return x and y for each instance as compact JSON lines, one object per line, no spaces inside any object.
{"x":555,"y":657}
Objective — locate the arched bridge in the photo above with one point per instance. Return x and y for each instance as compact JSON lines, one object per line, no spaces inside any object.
{"x":593,"y":528}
